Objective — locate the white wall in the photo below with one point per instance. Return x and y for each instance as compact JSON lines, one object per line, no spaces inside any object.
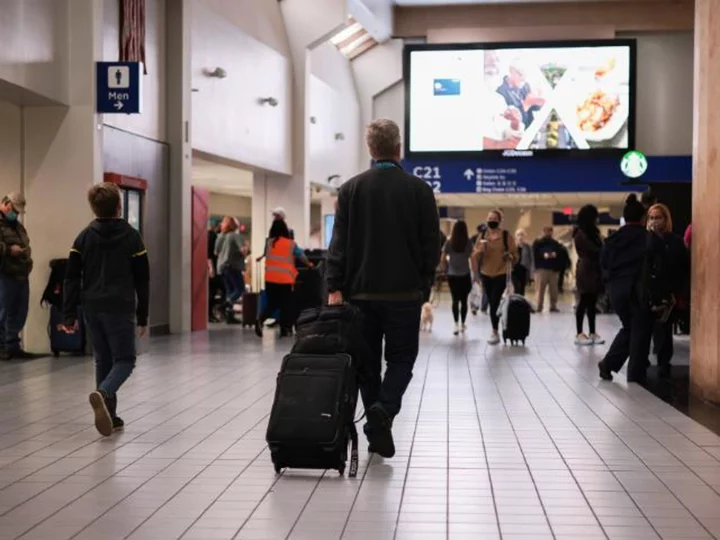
{"x":222,"y":204}
{"x":227,"y":119}
{"x":151,"y":123}
{"x":332,"y":101}
{"x":10,"y":148}
{"x":33,"y":46}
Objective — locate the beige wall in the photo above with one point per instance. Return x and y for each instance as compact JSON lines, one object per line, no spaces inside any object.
{"x":222,"y":204}
{"x":151,"y":123}
{"x":33,"y":46}
{"x":227,"y":119}
{"x":10,"y":147}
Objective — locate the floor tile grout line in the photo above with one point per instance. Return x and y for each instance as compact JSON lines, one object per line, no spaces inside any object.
{"x":136,"y":460}
{"x":205,"y":468}
{"x":302,"y":510}
{"x":632,"y":397}
{"x":642,"y":429}
{"x":522,"y":451}
{"x":557,"y":448}
{"x":447,"y":444}
{"x":412,"y":442}
{"x":482,"y":437}
{"x":75,"y":406}
{"x":94,"y":441}
{"x":622,"y":441}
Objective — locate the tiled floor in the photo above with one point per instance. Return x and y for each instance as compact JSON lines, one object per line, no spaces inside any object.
{"x":493,"y":443}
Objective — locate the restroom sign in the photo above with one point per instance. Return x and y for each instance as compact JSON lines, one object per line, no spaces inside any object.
{"x":118,"y":87}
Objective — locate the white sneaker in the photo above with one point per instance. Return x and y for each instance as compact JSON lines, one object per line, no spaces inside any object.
{"x":494,"y":339}
{"x":596,"y":340}
{"x":583,"y":340}
{"x":457,"y":329}
{"x":463,"y":327}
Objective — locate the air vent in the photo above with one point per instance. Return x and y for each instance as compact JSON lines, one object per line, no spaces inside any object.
{"x":353,"y":40}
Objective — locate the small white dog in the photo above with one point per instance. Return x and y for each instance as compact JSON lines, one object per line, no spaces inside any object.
{"x":426,"y":318}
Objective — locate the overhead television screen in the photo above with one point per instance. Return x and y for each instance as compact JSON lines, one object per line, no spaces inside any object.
{"x":515,"y":99}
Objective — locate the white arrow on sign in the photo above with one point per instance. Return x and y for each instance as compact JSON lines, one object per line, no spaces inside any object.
{"x":118,"y":105}
{"x":468,"y":174}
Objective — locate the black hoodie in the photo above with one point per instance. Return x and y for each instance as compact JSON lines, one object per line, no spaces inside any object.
{"x":623,"y":253}
{"x":107,"y":270}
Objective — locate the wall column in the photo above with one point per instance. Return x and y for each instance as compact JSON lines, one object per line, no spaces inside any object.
{"x":62,"y":158}
{"x":705,"y":343}
{"x":178,"y":115}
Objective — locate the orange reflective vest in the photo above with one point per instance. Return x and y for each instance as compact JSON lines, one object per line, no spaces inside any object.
{"x":280,"y":262}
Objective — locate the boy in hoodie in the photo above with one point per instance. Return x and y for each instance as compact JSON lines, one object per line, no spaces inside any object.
{"x":108,"y":274}
{"x":621,"y":260}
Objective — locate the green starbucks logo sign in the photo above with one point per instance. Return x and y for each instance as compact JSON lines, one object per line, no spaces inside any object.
{"x":634,"y":164}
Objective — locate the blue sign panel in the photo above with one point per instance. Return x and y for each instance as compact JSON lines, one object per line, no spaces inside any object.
{"x":543,"y":175}
{"x":118,"y":87}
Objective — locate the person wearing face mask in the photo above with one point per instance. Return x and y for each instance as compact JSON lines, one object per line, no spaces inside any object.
{"x":15,"y":267}
{"x":677,"y":281}
{"x":494,"y":254}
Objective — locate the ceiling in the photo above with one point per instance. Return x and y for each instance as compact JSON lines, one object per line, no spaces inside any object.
{"x":528,"y":200}
{"x":219,"y":178}
{"x":468,"y":2}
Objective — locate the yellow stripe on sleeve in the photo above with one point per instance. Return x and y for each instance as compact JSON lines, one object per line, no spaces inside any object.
{"x":140,"y":253}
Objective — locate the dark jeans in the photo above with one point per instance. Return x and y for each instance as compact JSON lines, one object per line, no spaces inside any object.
{"x":398,"y":323}
{"x":633,"y":339}
{"x":279,"y":297}
{"x":587,"y":304}
{"x":216,"y":286}
{"x":460,"y":287}
{"x":663,"y":341}
{"x":113,"y":341}
{"x":494,"y":288}
{"x":234,"y":284}
{"x":14,"y":299}
{"x":519,"y":279}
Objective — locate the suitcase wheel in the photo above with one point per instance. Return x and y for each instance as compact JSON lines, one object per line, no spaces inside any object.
{"x":278,"y":468}
{"x":55,"y":353}
{"x":341,"y":469}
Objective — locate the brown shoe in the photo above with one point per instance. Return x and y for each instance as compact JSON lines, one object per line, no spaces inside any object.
{"x":103,"y":420}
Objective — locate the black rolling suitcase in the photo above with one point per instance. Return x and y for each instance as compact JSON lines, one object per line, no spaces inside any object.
{"x":60,"y":341}
{"x":516,"y":324}
{"x":312,"y":420}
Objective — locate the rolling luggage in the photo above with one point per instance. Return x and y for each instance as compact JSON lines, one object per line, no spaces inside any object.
{"x":329,"y":351}
{"x":312,"y":418}
{"x":514,"y":312}
{"x":62,"y":342}
{"x":516,"y":319}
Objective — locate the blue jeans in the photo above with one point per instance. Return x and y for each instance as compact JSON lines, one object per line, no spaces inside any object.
{"x":234,"y":284}
{"x":14,"y":299}
{"x":398,"y":323}
{"x":113,"y":341}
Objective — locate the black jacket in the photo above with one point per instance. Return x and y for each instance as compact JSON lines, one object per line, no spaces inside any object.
{"x":13,"y":233}
{"x":108,"y":271}
{"x":386,"y":239}
{"x":556,"y":260}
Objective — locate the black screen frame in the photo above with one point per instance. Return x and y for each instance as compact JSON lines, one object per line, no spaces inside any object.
{"x":497,"y":155}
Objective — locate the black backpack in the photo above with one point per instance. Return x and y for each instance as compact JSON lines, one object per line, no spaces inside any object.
{"x":53,"y":293}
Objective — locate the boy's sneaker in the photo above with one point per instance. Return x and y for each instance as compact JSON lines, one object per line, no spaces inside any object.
{"x":597,"y":340}
{"x":103,"y":420}
{"x":118,"y":423}
{"x":379,"y":431}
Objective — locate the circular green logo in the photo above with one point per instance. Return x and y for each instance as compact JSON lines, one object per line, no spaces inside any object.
{"x":634,"y":164}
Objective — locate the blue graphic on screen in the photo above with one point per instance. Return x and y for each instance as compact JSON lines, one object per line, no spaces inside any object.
{"x":446,"y":87}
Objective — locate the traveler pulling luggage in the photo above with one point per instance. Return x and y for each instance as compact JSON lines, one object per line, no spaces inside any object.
{"x":514,"y":312}
{"x":312,"y":421}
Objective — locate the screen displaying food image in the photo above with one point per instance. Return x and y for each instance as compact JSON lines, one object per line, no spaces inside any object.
{"x":471,"y":98}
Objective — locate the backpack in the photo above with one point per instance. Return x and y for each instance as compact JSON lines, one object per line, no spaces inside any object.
{"x":53,"y":293}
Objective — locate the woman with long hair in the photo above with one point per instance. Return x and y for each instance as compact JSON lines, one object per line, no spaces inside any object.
{"x":456,"y":262}
{"x":230,"y":251}
{"x":280,"y":274}
{"x":523,"y":268}
{"x":676,"y":276}
{"x":588,"y":277}
{"x":493,"y":257}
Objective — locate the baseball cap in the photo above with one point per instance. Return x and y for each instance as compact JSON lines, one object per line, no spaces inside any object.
{"x":17,"y":200}
{"x":279,"y":212}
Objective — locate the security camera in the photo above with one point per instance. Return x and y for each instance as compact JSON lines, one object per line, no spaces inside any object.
{"x":218,"y":73}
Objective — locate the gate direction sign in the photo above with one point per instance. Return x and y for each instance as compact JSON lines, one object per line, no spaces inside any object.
{"x":118,"y":87}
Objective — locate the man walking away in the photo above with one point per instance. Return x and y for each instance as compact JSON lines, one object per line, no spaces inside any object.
{"x":15,"y":267}
{"x":384,"y":251}
{"x":547,"y":254}
{"x":108,"y":274}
